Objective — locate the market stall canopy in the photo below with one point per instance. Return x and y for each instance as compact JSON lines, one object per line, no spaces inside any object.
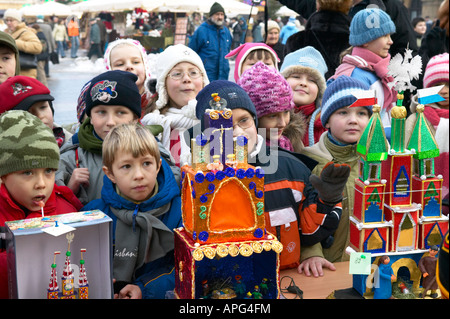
{"x":47,"y":9}
{"x":114,"y":5}
{"x":286,"y":12}
{"x":232,"y":7}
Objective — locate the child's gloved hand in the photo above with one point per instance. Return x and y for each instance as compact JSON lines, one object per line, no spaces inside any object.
{"x":330,"y":185}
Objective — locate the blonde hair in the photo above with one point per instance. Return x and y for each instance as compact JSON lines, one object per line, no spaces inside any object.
{"x":129,"y":138}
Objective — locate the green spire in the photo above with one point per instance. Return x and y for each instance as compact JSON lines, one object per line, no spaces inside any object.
{"x":372,"y":144}
{"x":422,"y":139}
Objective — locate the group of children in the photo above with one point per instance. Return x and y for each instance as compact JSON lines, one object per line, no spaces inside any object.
{"x":126,"y":154}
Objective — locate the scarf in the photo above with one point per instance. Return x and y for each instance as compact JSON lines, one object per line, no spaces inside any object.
{"x":434,"y":115}
{"x":283,"y":142}
{"x":367,"y":60}
{"x":315,"y":127}
{"x":87,"y":138}
{"x":140,"y":237}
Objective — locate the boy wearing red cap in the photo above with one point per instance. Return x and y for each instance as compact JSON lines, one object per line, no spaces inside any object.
{"x":28,"y":94}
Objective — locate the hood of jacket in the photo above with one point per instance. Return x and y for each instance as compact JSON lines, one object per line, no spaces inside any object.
{"x":167,"y":191}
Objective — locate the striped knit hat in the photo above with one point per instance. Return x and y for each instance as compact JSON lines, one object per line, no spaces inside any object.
{"x":26,"y":143}
{"x":436,"y":71}
{"x":267,"y":88}
{"x":338,"y":94}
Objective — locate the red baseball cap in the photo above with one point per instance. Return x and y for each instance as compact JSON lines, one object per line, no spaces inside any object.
{"x":21,"y":92}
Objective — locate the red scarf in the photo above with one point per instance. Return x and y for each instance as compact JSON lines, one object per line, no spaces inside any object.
{"x":308,"y":110}
{"x":434,"y":115}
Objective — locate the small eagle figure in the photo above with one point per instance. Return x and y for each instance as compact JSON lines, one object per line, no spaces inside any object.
{"x":404,"y":70}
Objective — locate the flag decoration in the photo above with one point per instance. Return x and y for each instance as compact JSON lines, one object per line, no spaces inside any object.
{"x":430,"y":95}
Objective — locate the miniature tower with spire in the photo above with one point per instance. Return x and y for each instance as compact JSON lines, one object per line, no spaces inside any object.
{"x":427,"y":186}
{"x":369,"y":232}
{"x":83,"y":283}
{"x":67,"y":278}
{"x":53,"y":289}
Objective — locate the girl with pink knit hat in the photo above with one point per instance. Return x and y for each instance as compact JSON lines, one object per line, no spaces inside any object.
{"x":437,"y":114}
{"x":247,"y":54}
{"x":273,"y":99}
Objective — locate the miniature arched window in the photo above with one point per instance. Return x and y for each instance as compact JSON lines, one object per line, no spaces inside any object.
{"x":434,"y":236}
{"x":375,"y":242}
{"x":407,"y":233}
{"x":402,"y":183}
{"x":232,"y":207}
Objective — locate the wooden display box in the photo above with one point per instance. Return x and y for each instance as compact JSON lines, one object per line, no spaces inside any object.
{"x":30,"y":252}
{"x":217,"y":265}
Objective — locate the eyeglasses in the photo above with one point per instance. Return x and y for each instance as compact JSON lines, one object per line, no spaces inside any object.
{"x":245,"y":123}
{"x":178,"y":75}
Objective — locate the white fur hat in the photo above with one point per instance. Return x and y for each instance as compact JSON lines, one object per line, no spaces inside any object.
{"x":136,"y":43}
{"x":13,"y":13}
{"x":167,"y":59}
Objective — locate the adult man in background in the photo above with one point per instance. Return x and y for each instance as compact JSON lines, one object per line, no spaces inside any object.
{"x":212,"y":41}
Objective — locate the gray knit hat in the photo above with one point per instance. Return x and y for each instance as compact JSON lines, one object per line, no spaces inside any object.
{"x":26,"y":143}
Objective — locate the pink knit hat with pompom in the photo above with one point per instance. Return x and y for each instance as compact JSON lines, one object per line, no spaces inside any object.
{"x":242,"y":51}
{"x":267,"y":88}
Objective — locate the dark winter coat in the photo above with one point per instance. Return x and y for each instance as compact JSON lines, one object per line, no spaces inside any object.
{"x":328,"y":33}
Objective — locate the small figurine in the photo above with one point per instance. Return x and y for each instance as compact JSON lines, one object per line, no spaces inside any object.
{"x":231,"y":161}
{"x":427,"y":266}
{"x":216,"y":165}
{"x":205,"y":287}
{"x":240,"y":286}
{"x":257,"y":294}
{"x":264,"y":287}
{"x":383,"y":278}
{"x":248,"y":295}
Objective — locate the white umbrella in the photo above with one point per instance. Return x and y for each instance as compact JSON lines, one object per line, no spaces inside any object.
{"x":47,"y":9}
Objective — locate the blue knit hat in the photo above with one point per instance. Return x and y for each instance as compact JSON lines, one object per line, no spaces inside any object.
{"x":234,"y":95}
{"x":368,"y":25}
{"x":114,"y":88}
{"x":309,"y":61}
{"x":339,"y":93}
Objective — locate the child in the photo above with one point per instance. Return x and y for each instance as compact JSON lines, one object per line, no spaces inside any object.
{"x":9,"y":57}
{"x":247,"y":54}
{"x":345,"y":125}
{"x":305,"y":71}
{"x":290,"y":202}
{"x":272,"y":97}
{"x":370,"y":36}
{"x":142,"y":197}
{"x":29,"y":160}
{"x":181,"y":75}
{"x":129,"y":55}
{"x":112,"y":98}
{"x":436,"y":74}
{"x":28,"y":94}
